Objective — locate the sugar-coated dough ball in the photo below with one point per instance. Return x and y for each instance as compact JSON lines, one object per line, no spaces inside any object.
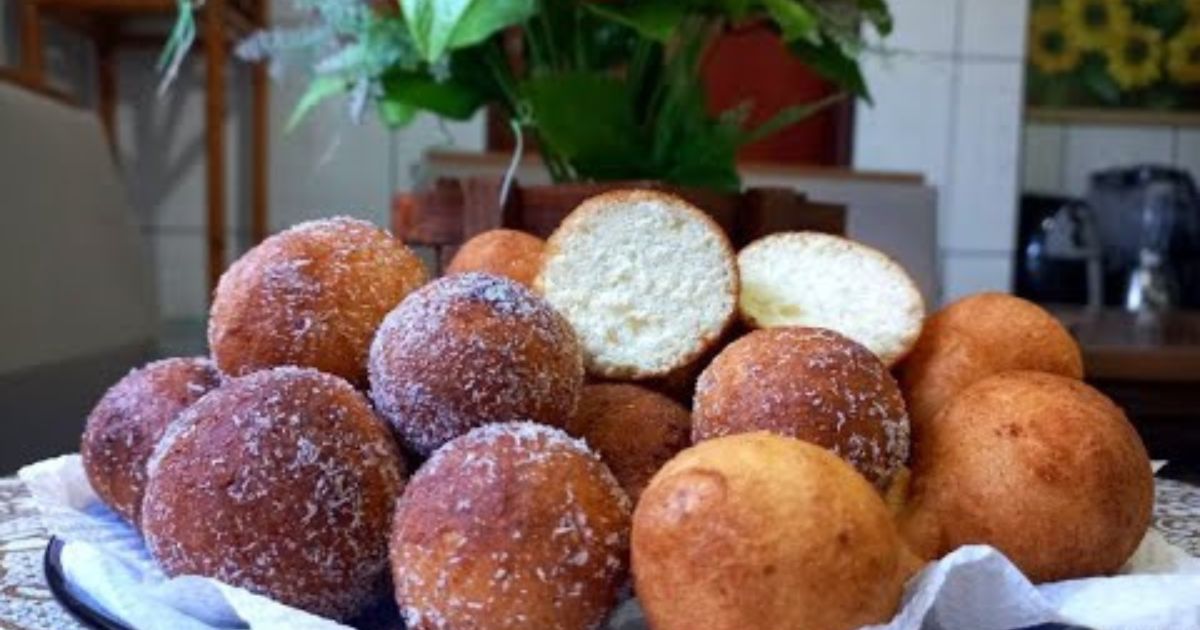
{"x":468,"y":350}
{"x":513,"y":254}
{"x":282,"y":482}
{"x":512,"y":525}
{"x":648,"y":281}
{"x":825,"y":281}
{"x":976,"y":337}
{"x":310,"y":296}
{"x":633,"y":429}
{"x":1042,"y":467}
{"x":762,"y":532}
{"x":807,"y":383}
{"x":128,"y":422}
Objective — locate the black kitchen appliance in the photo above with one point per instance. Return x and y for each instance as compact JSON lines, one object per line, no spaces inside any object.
{"x":1148,"y":220}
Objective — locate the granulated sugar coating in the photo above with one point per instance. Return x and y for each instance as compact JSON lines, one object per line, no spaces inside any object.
{"x":128,"y":422}
{"x":472,"y":349}
{"x":807,"y":383}
{"x":513,"y":525}
{"x":312,"y":296}
{"x":282,"y":482}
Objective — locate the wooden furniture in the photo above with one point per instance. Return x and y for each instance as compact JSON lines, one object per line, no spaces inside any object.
{"x":220,"y":22}
{"x":1150,"y":365}
{"x":448,"y":213}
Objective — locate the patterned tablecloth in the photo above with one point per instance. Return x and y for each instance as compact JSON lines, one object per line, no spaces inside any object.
{"x":26,"y":602}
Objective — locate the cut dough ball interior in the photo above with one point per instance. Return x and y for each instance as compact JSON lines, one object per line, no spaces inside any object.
{"x":647,"y":281}
{"x":823,"y":281}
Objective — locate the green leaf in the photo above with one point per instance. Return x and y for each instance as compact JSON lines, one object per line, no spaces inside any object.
{"x":320,"y":89}
{"x":446,"y":98}
{"x":1100,"y":84}
{"x":653,"y":19}
{"x":737,"y":10}
{"x":396,"y":114}
{"x":588,"y":120}
{"x":878,"y":14}
{"x":830,"y":60}
{"x":795,"y":21}
{"x":791,"y":115}
{"x":438,"y":26}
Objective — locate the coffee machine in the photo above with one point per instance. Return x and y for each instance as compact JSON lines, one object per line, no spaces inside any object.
{"x":1133,"y":242}
{"x":1148,"y":222}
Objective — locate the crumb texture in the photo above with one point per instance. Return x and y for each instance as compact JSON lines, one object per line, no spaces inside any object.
{"x":645,"y":279}
{"x":812,"y":279}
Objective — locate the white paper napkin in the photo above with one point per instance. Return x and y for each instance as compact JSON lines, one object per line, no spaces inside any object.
{"x":975,"y":587}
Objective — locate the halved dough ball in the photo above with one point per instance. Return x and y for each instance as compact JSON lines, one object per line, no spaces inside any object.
{"x":647,"y":281}
{"x":761,"y":532}
{"x":513,"y":254}
{"x":979,"y":336}
{"x":824,"y":281}
{"x":1042,"y":467}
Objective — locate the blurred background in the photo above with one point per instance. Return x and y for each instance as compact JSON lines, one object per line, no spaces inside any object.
{"x":1008,"y":148}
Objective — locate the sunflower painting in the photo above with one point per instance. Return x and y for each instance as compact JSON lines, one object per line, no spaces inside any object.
{"x":1122,"y":54}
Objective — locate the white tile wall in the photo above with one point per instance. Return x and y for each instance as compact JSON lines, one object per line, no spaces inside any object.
{"x":179,"y":260}
{"x":1042,"y":158}
{"x":924,"y":26}
{"x":982,"y":187}
{"x":965,"y":274}
{"x":1090,"y":148}
{"x":949,"y":105}
{"x":994,"y":27}
{"x":907,"y":128}
{"x":1187,"y":151}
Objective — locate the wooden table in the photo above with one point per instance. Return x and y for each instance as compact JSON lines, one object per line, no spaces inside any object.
{"x":220,"y":23}
{"x":26,"y":602}
{"x":1150,"y":365}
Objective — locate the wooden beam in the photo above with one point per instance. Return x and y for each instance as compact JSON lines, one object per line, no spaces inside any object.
{"x":215,"y":56}
{"x":260,"y":124}
{"x":32,"y":61}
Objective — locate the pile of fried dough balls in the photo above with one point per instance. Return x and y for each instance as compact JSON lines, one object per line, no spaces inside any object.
{"x":502,"y":445}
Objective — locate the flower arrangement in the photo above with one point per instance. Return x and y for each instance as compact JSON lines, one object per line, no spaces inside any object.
{"x":610,"y":89}
{"x":1127,"y":53}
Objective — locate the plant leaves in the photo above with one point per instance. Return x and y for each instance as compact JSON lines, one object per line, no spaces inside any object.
{"x":795,"y":21}
{"x":878,"y":14}
{"x":587,"y":119}
{"x":653,"y":19}
{"x":438,"y":26}
{"x":447,"y":98}
{"x":396,"y":114}
{"x":1100,"y":84}
{"x":830,"y":60}
{"x":322,"y":87}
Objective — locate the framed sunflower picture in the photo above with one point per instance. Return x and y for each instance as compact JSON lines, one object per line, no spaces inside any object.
{"x":1115,"y":59}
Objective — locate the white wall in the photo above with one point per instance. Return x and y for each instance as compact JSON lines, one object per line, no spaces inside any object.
{"x":1059,"y":157}
{"x":948,"y":89}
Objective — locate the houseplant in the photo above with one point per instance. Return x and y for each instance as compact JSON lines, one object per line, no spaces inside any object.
{"x":610,"y":91}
